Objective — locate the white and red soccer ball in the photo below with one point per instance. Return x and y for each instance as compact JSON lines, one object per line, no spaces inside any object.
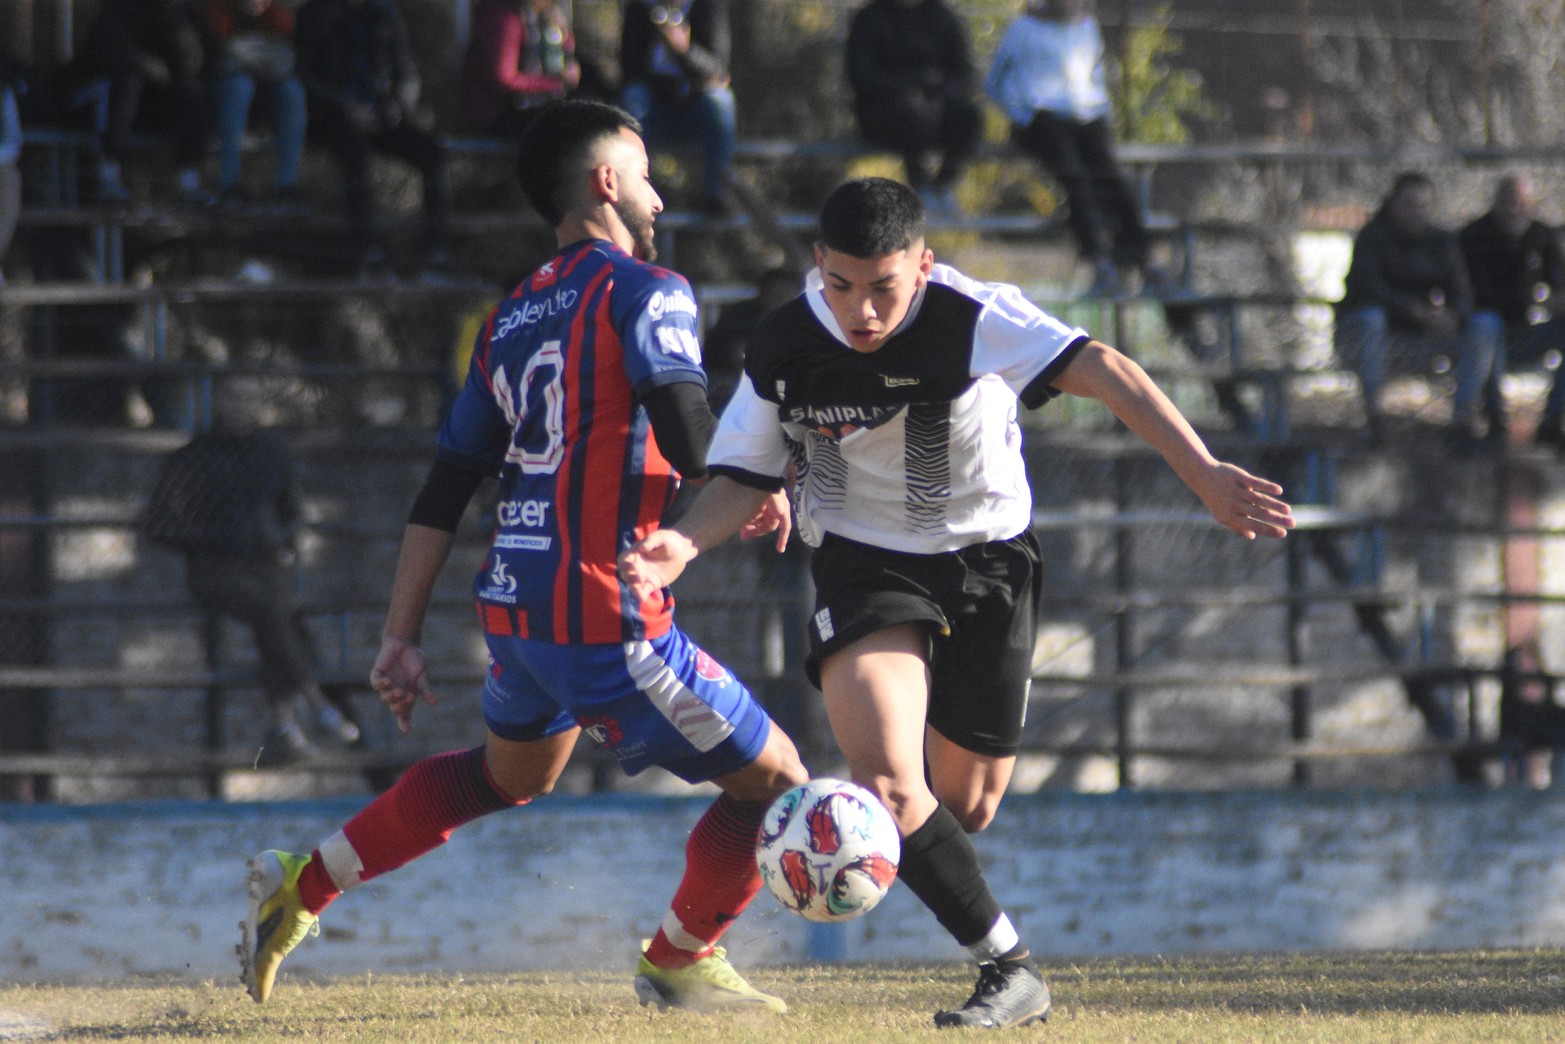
{"x":828,"y":850}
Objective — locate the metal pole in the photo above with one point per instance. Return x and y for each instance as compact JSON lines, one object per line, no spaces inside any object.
{"x":214,"y":706}
{"x":1307,"y":59}
{"x":1124,"y":636}
{"x":1300,"y":699}
{"x":64,"y":33}
{"x":1486,"y":68}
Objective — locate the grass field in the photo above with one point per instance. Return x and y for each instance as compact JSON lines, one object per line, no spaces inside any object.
{"x":1476,"y":996}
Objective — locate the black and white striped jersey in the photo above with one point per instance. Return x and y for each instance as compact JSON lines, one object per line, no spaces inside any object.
{"x":914,"y":447}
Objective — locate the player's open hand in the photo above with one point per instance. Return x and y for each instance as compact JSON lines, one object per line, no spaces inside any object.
{"x":656,"y":562}
{"x":401,"y":678}
{"x":1248,"y":505}
{"x":773,"y":517}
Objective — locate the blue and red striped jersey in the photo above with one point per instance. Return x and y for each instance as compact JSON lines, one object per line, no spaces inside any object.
{"x":552,"y":402}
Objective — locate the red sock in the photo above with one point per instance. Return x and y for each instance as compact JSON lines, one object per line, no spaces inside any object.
{"x":720,"y":880}
{"x":432,"y":798}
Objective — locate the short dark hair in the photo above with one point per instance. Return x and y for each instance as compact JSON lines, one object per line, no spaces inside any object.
{"x":556,"y":144}
{"x":871,"y":217}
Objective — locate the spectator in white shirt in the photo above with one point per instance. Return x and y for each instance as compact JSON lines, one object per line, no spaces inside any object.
{"x":1048,"y":78}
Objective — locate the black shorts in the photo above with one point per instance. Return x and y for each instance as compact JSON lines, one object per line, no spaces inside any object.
{"x":980,"y":606}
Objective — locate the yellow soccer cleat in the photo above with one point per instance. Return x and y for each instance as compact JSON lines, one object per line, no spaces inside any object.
{"x":277,"y":921}
{"x":707,"y":985}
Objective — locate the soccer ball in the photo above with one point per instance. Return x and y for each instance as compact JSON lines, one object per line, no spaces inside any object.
{"x":828,"y":850}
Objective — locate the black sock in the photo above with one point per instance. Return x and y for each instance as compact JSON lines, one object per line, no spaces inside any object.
{"x":1018,"y":954}
{"x":940,"y":866}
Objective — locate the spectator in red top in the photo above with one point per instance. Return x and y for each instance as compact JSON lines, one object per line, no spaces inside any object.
{"x":250,"y":54}
{"x":520,"y":57}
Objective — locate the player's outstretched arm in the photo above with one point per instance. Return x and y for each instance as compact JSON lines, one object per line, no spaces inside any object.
{"x":723,"y":508}
{"x":656,"y":561}
{"x":400,"y":673}
{"x":1246,"y":504}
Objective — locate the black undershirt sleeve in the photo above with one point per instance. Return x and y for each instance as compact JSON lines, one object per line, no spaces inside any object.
{"x":1041,"y":389}
{"x":683,"y":423}
{"x":449,"y":486}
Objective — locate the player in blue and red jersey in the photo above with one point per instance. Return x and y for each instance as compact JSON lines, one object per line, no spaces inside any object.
{"x":552,"y":404}
{"x":587,"y":400}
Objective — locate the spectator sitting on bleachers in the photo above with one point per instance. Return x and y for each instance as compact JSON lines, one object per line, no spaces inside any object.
{"x":1408,"y":299}
{"x":912,"y":76}
{"x":1048,"y":78}
{"x":10,"y":156}
{"x":520,"y":57}
{"x":674,"y":79}
{"x":249,"y":53}
{"x":356,"y":63}
{"x":141,"y":64}
{"x":1518,"y":275}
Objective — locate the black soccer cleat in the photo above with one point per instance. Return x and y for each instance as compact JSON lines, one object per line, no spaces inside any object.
{"x":1014,"y":995}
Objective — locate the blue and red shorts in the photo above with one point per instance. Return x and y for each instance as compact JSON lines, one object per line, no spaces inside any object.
{"x":660,"y":702}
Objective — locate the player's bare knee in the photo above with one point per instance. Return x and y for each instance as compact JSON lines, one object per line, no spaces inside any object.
{"x":975,"y":818}
{"x":523,"y":789}
{"x":768,"y":776}
{"x":778,"y":768}
{"x":524,"y":782}
{"x":909,"y":805}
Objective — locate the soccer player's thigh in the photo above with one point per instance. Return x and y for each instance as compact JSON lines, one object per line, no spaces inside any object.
{"x":873,"y":689}
{"x":869,"y":655}
{"x":974,"y":730}
{"x":981,"y":676}
{"x":530,"y":736}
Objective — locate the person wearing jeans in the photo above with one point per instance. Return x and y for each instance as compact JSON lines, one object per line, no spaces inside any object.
{"x":250,"y":55}
{"x":1373,"y":340}
{"x":1518,"y":274}
{"x":233,"y":97}
{"x":140,"y":63}
{"x":1408,"y":299}
{"x":10,"y":169}
{"x":674,"y":62}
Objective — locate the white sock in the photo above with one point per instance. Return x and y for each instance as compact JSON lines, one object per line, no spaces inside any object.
{"x":341,"y":862}
{"x":674,"y":932}
{"x":1002,"y":938}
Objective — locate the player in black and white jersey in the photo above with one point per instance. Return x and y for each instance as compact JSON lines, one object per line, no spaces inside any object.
{"x":890,"y":390}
